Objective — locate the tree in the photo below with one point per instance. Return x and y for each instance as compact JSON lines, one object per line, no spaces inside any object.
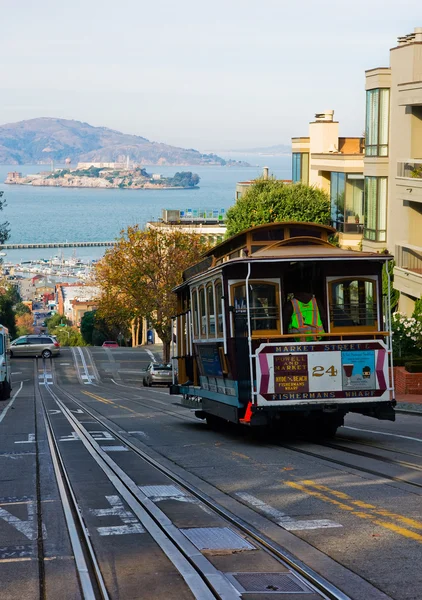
{"x":96,"y":330}
{"x":22,"y":309}
{"x":7,"y":314}
{"x":68,"y":336}
{"x":394,"y":294}
{"x":138,"y":274}
{"x":24,"y":324}
{"x":270,"y":201}
{"x":56,"y":320}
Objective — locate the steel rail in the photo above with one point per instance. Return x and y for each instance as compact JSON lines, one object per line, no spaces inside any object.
{"x":348,"y":465}
{"x":385,"y":459}
{"x":371,"y":445}
{"x":300,"y":569}
{"x":203,"y":579}
{"x":75,"y":526}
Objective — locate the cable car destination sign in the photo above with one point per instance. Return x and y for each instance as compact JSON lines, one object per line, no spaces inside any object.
{"x":320,"y":370}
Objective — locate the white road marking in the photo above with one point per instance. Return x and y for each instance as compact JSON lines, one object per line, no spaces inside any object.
{"x":27,"y":528}
{"x":288,"y":523}
{"x":101,"y":435}
{"x":30,"y":440}
{"x":157,"y":493}
{"x":65,"y":364}
{"x":150,"y":354}
{"x":142,"y":434}
{"x":403,"y":437}
{"x":6,"y":408}
{"x":54,"y":411}
{"x":117,"y":509}
{"x":114,"y":448}
{"x":17,"y":373}
{"x":73,"y":437}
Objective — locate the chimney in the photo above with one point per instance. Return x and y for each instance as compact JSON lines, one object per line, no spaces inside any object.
{"x":327,"y":116}
{"x":265,"y":173}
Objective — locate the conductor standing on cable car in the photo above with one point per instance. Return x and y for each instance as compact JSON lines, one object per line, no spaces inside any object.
{"x":303,"y":314}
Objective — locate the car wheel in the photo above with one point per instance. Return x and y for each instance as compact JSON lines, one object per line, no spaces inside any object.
{"x":46,"y":353}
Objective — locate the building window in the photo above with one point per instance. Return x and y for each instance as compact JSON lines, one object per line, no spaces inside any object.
{"x":195,"y":313}
{"x":219,"y":307}
{"x":346,"y":197}
{"x":211,"y":311}
{"x":377,"y":120}
{"x":202,"y":314}
{"x":300,"y":167}
{"x":375,"y":213}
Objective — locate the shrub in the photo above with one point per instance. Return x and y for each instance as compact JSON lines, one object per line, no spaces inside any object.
{"x":414,"y":366}
{"x":407,"y":335}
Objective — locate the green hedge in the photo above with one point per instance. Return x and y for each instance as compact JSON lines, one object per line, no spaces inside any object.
{"x":400,"y":361}
{"x":414,"y":366}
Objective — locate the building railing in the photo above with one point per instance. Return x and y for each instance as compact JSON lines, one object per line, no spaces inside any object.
{"x":409,"y":257}
{"x":410,"y":168}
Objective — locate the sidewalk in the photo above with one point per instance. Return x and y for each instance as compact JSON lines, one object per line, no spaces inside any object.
{"x":411,"y":402}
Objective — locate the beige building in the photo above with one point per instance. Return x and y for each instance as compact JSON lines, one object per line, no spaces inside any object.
{"x":208,"y":224}
{"x":334,"y":164}
{"x":393,"y":164}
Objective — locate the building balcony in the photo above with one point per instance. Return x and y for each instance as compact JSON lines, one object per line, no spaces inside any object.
{"x":410,"y":93}
{"x":409,"y":180}
{"x":408,"y":270}
{"x":338,"y":162}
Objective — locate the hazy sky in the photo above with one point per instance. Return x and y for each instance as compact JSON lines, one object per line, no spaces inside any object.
{"x":211,"y":75}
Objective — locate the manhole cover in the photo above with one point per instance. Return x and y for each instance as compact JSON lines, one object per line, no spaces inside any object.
{"x":216,"y":538}
{"x":267,"y":583}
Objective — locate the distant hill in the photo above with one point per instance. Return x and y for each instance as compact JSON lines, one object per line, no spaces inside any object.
{"x":278,"y":149}
{"x":46,"y":139}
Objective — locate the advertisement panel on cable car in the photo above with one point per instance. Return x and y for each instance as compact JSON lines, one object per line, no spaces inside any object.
{"x":316,"y":371}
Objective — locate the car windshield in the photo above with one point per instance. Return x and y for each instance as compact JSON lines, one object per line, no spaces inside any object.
{"x":162,"y":367}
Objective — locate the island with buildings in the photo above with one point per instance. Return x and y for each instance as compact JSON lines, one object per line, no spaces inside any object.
{"x":106,"y":175}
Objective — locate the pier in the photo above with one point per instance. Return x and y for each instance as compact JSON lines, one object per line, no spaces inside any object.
{"x":55,"y":245}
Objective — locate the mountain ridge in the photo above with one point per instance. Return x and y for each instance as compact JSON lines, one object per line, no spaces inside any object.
{"x":45,"y":139}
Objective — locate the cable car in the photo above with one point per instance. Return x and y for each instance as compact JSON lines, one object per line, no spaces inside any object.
{"x":277,"y":326}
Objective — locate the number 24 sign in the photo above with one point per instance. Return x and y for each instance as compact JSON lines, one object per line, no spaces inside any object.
{"x":324,"y":371}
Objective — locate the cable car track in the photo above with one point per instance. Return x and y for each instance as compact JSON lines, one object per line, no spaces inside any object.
{"x":302,"y":571}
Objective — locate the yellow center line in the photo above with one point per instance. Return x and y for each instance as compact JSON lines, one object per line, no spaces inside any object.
{"x":99,"y":398}
{"x":379,"y":511}
{"x":362,"y":515}
{"x":110,"y":402}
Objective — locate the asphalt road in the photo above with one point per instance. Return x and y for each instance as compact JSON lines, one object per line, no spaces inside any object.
{"x":350,"y":510}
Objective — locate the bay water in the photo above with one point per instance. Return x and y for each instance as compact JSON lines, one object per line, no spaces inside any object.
{"x":52,"y":214}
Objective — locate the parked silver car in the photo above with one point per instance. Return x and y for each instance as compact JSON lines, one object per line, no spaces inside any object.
{"x":158,"y":373}
{"x":35,"y":345}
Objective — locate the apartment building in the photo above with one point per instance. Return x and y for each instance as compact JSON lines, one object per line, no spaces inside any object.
{"x":393,"y":164}
{"x":334,"y":164}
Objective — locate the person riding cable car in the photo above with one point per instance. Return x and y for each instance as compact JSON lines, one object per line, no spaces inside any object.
{"x":302,"y":314}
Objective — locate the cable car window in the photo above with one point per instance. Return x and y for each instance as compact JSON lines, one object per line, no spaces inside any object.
{"x":353,"y":303}
{"x":202,"y":313}
{"x":263,"y":304}
{"x":195,"y":313}
{"x":218,"y":299}
{"x":211,"y":311}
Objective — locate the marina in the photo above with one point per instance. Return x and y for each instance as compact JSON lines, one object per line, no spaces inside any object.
{"x":57,"y":267}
